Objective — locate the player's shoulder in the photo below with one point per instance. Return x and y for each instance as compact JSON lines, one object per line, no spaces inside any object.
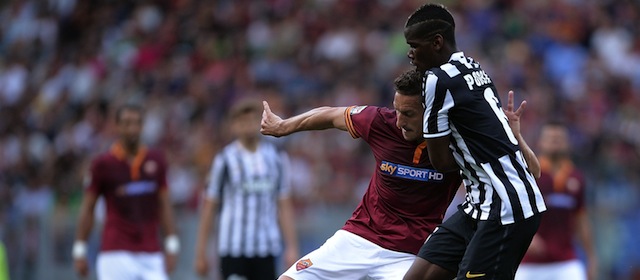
{"x":441,"y":75}
{"x":376,"y":114}
{"x":103,"y":158}
{"x":387,"y":114}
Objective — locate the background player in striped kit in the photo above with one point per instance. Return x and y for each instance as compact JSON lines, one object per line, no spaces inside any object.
{"x":132,"y":180}
{"x":250,"y":186}
{"x":405,"y":200}
{"x":466,"y":128}
{"x":551,"y":254}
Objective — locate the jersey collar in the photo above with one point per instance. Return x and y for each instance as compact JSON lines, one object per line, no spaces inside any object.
{"x":118,"y":151}
{"x":457,"y":56}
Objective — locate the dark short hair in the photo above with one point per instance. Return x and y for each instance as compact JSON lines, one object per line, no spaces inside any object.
{"x":245,"y":106}
{"x":128,"y":107}
{"x":556,"y":123}
{"x":431,"y":19}
{"x":409,"y":83}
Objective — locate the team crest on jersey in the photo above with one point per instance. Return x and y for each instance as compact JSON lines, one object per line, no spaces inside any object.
{"x":356,"y":110}
{"x":303,"y":264}
{"x":573,"y":185}
{"x":150,"y":167}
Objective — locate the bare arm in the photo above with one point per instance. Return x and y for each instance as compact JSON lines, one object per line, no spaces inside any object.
{"x":286,"y":220}
{"x":166,"y":213}
{"x":208,"y":213}
{"x":514,"y":123}
{"x":85,"y":224}
{"x":171,"y":242}
{"x":583,"y":228}
{"x":316,"y":119}
{"x":440,"y":155}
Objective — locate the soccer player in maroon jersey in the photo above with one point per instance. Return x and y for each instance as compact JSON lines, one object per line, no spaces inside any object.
{"x":406,"y":197}
{"x":132,"y":180}
{"x":551,"y":254}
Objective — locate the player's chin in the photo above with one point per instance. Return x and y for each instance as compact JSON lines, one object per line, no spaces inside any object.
{"x":420,"y":67}
{"x":410,"y":136}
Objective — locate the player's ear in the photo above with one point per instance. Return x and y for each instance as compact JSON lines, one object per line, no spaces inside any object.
{"x":437,"y":43}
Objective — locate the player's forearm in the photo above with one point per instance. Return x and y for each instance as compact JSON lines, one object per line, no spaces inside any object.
{"x":529,"y":156}
{"x":287,"y":224}
{"x":204,"y":228}
{"x":316,"y":119}
{"x":166,"y":210}
{"x":85,"y":224}
{"x":584,"y":234}
{"x":440,"y":155}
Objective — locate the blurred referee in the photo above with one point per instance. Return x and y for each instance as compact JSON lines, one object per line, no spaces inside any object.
{"x":249,"y":189}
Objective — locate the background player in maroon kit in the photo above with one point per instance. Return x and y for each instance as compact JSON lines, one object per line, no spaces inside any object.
{"x":551,"y":254}
{"x":405,"y":199}
{"x":132,"y":179}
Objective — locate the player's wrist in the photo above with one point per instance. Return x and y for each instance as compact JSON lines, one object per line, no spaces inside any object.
{"x":79,"y":250}
{"x":172,"y":244}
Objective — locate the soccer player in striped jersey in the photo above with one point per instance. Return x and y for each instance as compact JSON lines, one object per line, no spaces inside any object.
{"x":551,"y":254}
{"x":249,"y":187}
{"x":465,"y":128}
{"x":406,"y":198}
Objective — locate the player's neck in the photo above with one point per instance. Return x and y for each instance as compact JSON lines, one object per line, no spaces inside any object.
{"x":131,"y":149}
{"x":557,"y":161}
{"x":249,"y":143}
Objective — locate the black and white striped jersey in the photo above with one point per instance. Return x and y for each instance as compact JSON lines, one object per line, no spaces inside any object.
{"x":248,"y":186}
{"x":461,"y":100}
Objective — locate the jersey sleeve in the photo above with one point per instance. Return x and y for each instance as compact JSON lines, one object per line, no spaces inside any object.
{"x":284,"y":178}
{"x":437,"y":101}
{"x":217,"y":177}
{"x":95,"y":184}
{"x":359,"y":120}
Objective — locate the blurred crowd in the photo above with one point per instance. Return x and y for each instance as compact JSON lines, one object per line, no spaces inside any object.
{"x":66,"y":64}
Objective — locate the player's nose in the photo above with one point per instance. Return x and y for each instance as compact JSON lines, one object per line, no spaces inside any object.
{"x":399,"y":122}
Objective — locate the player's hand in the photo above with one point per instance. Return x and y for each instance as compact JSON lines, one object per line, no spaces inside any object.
{"x":270,"y":124}
{"x":81,"y":266}
{"x":170,"y":262}
{"x":201,"y":266}
{"x":514,"y":116}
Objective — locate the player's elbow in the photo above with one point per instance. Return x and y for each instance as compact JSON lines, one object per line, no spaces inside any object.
{"x":536,"y":173}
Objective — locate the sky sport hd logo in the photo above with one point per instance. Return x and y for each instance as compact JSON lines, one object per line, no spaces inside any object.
{"x":412,"y":173}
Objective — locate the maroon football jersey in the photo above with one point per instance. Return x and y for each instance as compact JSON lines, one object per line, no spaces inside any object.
{"x":406,"y":198}
{"x":131,"y":192}
{"x":563,"y":193}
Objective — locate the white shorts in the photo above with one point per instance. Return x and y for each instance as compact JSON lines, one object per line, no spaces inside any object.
{"x":349,"y":256}
{"x":572,"y":269}
{"x":124,"y":265}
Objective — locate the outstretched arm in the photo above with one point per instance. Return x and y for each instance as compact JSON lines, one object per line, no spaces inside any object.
{"x":514,"y":123}
{"x":316,"y":119}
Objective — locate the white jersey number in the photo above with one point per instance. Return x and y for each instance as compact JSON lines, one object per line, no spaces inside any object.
{"x":490,"y":96}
